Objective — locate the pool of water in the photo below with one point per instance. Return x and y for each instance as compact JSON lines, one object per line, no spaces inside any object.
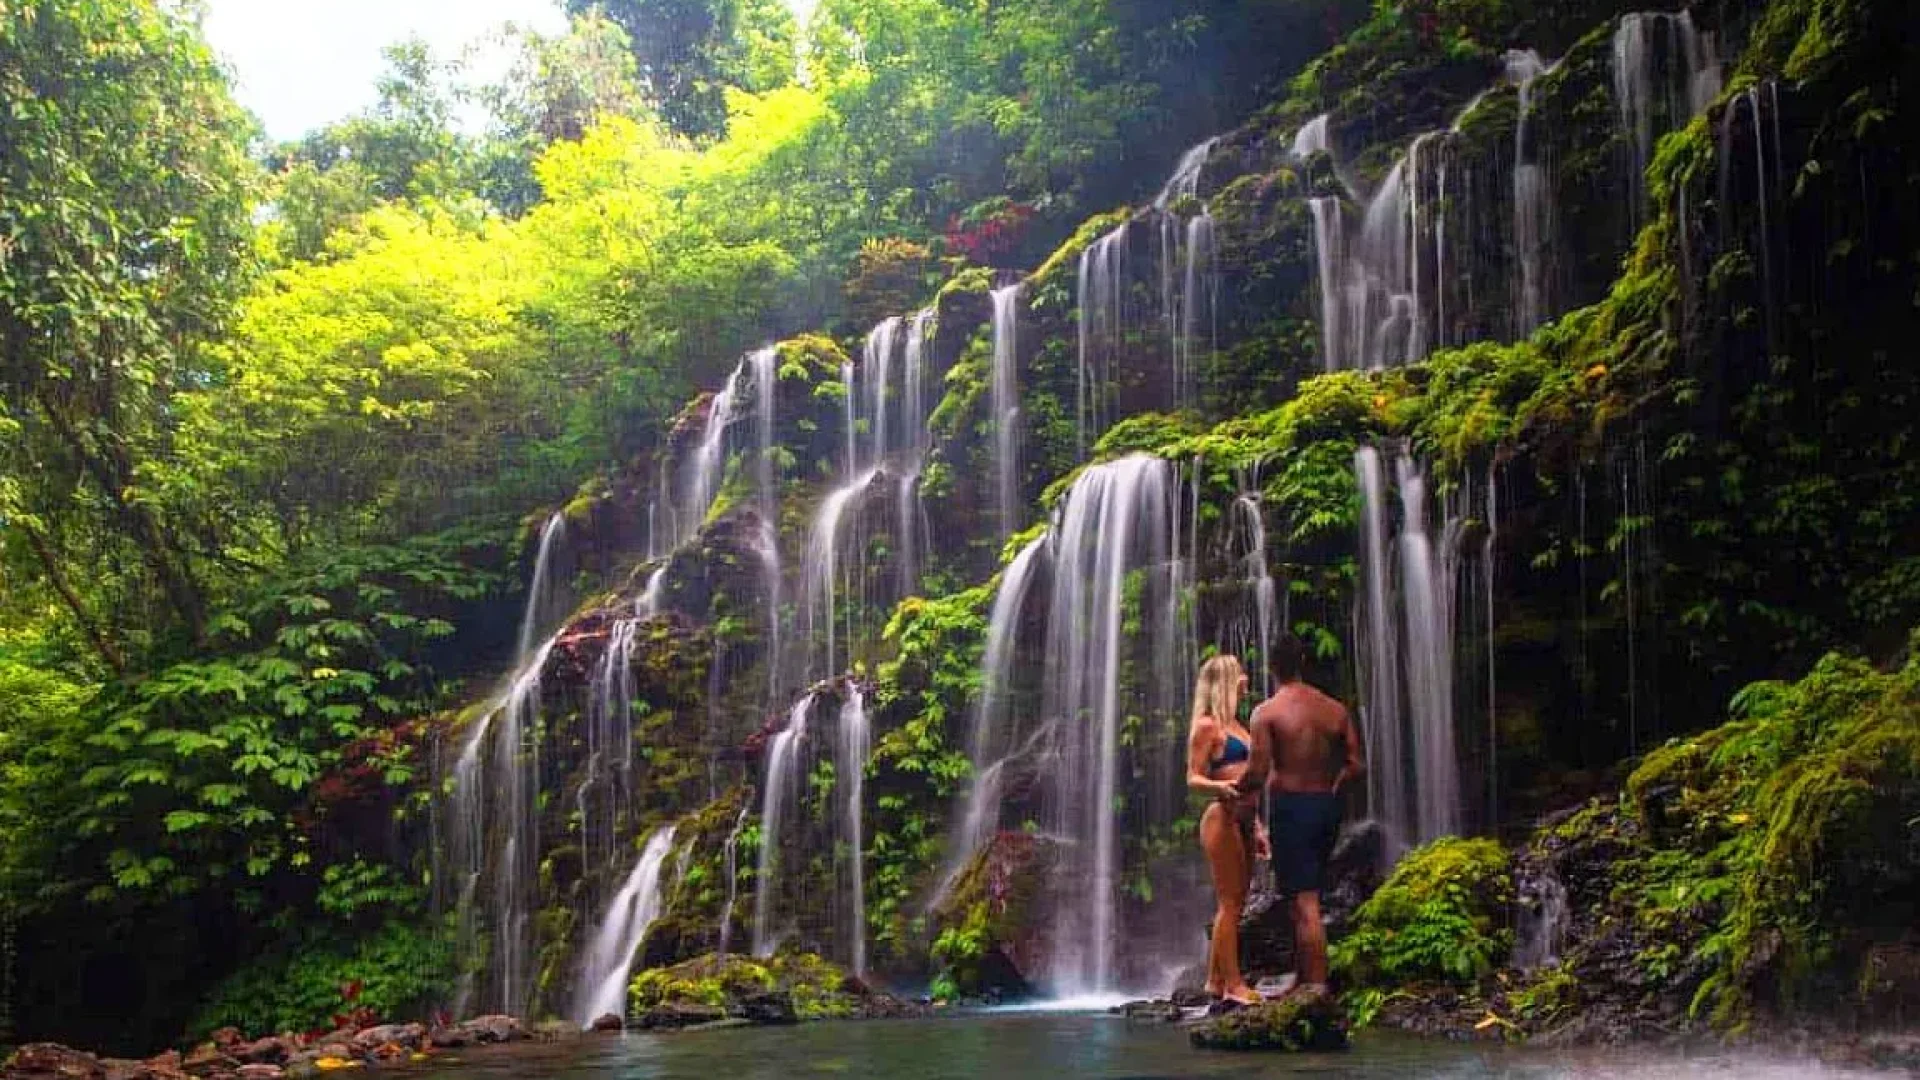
{"x":1014,"y":1046}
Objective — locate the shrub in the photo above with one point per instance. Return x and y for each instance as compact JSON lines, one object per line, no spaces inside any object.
{"x":396,"y":972}
{"x":1437,"y":918}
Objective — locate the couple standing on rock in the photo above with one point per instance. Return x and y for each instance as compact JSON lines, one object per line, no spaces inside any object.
{"x":1300,"y":746}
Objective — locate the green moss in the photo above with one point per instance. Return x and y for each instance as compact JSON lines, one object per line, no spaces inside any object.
{"x":1439,"y":917}
{"x":1295,"y":1023}
{"x":817,"y":987}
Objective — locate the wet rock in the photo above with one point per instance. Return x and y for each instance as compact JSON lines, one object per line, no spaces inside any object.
{"x":1150,"y":1012}
{"x":671,"y":1015}
{"x":1189,"y":998}
{"x":261,"y":1071}
{"x":1266,"y":935}
{"x":122,"y":1069}
{"x":493,"y":1029}
{"x":165,"y":1066}
{"x":555,"y":1031}
{"x":1296,"y":1023}
{"x":769,"y":1008}
{"x":272,"y":1050}
{"x":609,"y":1022}
{"x":51,"y":1061}
{"x":405,"y":1036}
{"x":207,"y":1059}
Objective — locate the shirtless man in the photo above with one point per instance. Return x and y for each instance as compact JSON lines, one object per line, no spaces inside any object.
{"x":1305,"y":746}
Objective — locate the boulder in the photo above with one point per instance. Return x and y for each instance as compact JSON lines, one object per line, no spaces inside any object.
{"x":1266,"y":935}
{"x":165,"y":1066}
{"x":208,"y":1059}
{"x":768,"y":1008}
{"x":272,"y":1050}
{"x":1296,"y":1023}
{"x":51,"y":1061}
{"x":406,"y":1036}
{"x":261,"y":1071}
{"x":227,"y":1038}
{"x":609,"y":1022}
{"x":493,"y":1029}
{"x":1150,"y":1012}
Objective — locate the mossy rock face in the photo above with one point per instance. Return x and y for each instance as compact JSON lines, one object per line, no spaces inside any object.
{"x":1297,"y":1023}
{"x":778,"y":989}
{"x":1441,"y":916}
{"x":989,"y":941}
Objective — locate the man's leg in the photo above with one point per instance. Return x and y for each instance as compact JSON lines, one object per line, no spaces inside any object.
{"x":1309,"y":939}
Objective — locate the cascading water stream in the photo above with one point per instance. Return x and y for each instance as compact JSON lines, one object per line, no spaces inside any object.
{"x":1665,"y":71}
{"x":602,"y":989}
{"x":781,"y":787}
{"x":1532,"y":200}
{"x":978,"y":813}
{"x":856,"y":745}
{"x":492,"y":841}
{"x":1006,"y":406}
{"x":1264,"y":596}
{"x":821,"y":568}
{"x":909,"y":512}
{"x":765,"y":367}
{"x":1406,"y":644}
{"x":1101,"y":288}
{"x":1117,"y":518}
{"x":609,"y":770}
{"x":731,"y":854}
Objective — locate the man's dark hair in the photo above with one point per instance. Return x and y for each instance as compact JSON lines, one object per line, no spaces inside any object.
{"x":1287,"y":659}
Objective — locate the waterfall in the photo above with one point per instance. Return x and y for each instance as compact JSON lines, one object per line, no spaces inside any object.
{"x":1185,"y":181}
{"x":1533,"y":213}
{"x":876,"y":372}
{"x":978,"y":815}
{"x":731,"y":854}
{"x":709,"y":457}
{"x":1006,"y":406}
{"x":1664,"y":72}
{"x":1248,"y":522}
{"x":765,"y":366}
{"x":915,"y":441}
{"x":855,"y":747}
{"x":1194,"y":310}
{"x":609,"y":959}
{"x":821,"y":568}
{"x":609,"y":721}
{"x":1101,"y":289}
{"x":1388,"y":789}
{"x":492,"y":842}
{"x":1759,"y":100}
{"x":782,"y":786}
{"x":1330,"y":250}
{"x":1406,"y":645}
{"x":1116,"y":519}
{"x":1540,"y":933}
{"x":1426,"y":596}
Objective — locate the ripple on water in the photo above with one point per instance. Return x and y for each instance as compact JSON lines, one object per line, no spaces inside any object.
{"x":1050,"y":1045}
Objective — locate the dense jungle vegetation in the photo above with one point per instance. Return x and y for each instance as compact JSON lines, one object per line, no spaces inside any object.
{"x":279,"y":425}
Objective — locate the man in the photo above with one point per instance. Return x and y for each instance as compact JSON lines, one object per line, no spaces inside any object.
{"x":1305,"y":746}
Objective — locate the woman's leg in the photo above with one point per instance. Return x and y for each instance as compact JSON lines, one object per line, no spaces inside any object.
{"x":1227,"y":857}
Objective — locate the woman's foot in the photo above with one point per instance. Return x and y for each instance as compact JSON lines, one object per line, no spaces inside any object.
{"x":1243,"y":995}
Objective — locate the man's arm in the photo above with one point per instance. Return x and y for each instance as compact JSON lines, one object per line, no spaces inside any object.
{"x":1260,"y":757}
{"x":1356,"y":763}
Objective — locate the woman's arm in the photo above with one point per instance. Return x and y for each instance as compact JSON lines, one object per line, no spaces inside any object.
{"x":1200,"y":756}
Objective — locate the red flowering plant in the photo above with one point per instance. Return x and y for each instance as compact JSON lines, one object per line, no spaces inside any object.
{"x":989,"y":230}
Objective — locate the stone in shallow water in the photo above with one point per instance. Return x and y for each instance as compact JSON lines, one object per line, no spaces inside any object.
{"x":1298,"y":1023}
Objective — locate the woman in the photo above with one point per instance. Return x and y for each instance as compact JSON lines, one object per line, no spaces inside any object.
{"x":1218,"y":746}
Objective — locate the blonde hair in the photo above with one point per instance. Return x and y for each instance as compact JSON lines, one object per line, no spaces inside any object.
{"x":1217,"y":692}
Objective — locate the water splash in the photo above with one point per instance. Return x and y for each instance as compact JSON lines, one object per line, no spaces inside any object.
{"x":609,"y":958}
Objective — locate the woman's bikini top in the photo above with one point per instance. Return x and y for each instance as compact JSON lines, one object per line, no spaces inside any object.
{"x":1233,"y":753}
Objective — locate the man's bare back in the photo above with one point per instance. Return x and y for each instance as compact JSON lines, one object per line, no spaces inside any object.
{"x":1314,"y":745}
